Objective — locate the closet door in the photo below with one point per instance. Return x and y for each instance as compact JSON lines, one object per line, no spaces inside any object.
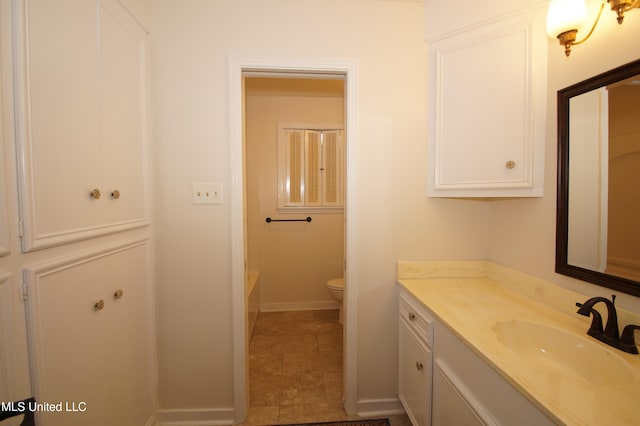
{"x":91,"y":337}
{"x":131,"y":354}
{"x":69,"y":340}
{"x":123,"y":115}
{"x":58,"y":123}
{"x":81,"y":120}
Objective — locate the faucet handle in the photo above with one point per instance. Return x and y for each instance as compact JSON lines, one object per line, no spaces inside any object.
{"x":628,"y":337}
{"x":596,"y":328}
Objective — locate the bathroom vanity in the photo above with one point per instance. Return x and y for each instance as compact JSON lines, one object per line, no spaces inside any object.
{"x":482,"y":344}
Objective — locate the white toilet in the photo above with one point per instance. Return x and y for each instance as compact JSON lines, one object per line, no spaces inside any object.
{"x":336,"y":289}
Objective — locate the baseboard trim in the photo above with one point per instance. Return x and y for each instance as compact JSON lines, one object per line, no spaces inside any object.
{"x":299,"y":306}
{"x":196,"y":417}
{"x":379,"y":407}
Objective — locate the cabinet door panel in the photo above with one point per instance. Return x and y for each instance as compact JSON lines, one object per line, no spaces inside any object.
{"x":475,"y":147}
{"x":69,"y":342}
{"x":72,"y":100}
{"x":131,"y":344}
{"x":58,"y":116}
{"x":415,"y":377}
{"x":450,"y":404}
{"x":123,"y":113}
{"x":80,"y":354}
{"x":487,"y":108}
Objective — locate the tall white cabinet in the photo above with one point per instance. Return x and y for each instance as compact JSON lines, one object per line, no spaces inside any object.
{"x":487,"y":99}
{"x":81,"y":117}
{"x":76,"y":287}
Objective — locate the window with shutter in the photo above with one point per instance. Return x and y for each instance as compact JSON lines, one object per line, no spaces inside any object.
{"x":310,"y":167}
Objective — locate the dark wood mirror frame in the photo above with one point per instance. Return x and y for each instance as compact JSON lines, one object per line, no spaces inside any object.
{"x":562,"y":213}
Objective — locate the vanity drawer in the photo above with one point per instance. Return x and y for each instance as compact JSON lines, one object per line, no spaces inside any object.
{"x":417,"y":318}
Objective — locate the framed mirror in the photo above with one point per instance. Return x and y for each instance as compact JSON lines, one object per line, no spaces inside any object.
{"x":598,"y":210}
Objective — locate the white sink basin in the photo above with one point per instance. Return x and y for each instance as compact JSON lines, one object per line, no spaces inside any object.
{"x":564,"y":353}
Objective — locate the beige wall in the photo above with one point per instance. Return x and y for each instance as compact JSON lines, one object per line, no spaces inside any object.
{"x":191,"y":43}
{"x":294,"y":259}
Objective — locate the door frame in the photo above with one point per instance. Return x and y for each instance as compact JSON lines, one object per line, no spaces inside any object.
{"x":237,"y":66}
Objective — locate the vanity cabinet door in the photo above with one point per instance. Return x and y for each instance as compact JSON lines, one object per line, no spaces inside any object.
{"x":487,"y":115}
{"x":81,"y":125}
{"x":414,"y":386}
{"x":450,"y":401}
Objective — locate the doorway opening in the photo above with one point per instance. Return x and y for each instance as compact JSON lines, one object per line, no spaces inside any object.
{"x":294,"y":186}
{"x":262,"y":76}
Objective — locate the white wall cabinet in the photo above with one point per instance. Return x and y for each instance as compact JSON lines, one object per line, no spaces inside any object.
{"x":462,"y":388}
{"x":487,"y":105}
{"x":81,"y":120}
{"x":98,"y":358}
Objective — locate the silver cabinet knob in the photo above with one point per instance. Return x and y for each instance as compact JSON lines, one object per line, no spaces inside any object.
{"x":115,"y":194}
{"x":99,"y":305}
{"x":118,"y":294}
{"x":95,"y":194}
{"x":510,"y":164}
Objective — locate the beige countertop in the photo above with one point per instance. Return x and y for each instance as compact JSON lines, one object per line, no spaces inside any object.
{"x":471,"y":304}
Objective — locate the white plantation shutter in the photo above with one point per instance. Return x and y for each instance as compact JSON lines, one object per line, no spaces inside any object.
{"x":333,"y":167}
{"x":294,"y":178}
{"x":311,"y":168}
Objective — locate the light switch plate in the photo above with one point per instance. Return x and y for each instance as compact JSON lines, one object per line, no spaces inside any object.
{"x":207,"y":193}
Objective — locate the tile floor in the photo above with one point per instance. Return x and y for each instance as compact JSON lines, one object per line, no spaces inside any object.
{"x":295,"y":369}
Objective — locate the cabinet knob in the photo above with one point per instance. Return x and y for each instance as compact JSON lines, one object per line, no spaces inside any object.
{"x":99,"y":305}
{"x":510,"y":164}
{"x":411,"y":316}
{"x":115,"y":194}
{"x":118,"y":294}
{"x":419,"y":365}
{"x":95,"y":194}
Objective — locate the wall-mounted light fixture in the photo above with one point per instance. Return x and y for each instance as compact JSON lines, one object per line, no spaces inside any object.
{"x":564,"y":17}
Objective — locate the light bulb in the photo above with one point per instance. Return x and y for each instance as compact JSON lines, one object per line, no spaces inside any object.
{"x":565,"y":15}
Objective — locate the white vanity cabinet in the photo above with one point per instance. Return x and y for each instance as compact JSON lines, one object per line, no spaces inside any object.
{"x":91,"y":337}
{"x":487,"y":101}
{"x":416,"y":359}
{"x":462,"y":389}
{"x":81,"y":120}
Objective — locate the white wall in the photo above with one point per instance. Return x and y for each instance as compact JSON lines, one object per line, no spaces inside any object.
{"x":191,"y":44}
{"x":522,"y":231}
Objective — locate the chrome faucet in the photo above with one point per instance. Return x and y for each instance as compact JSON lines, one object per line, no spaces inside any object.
{"x":611,"y":334}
